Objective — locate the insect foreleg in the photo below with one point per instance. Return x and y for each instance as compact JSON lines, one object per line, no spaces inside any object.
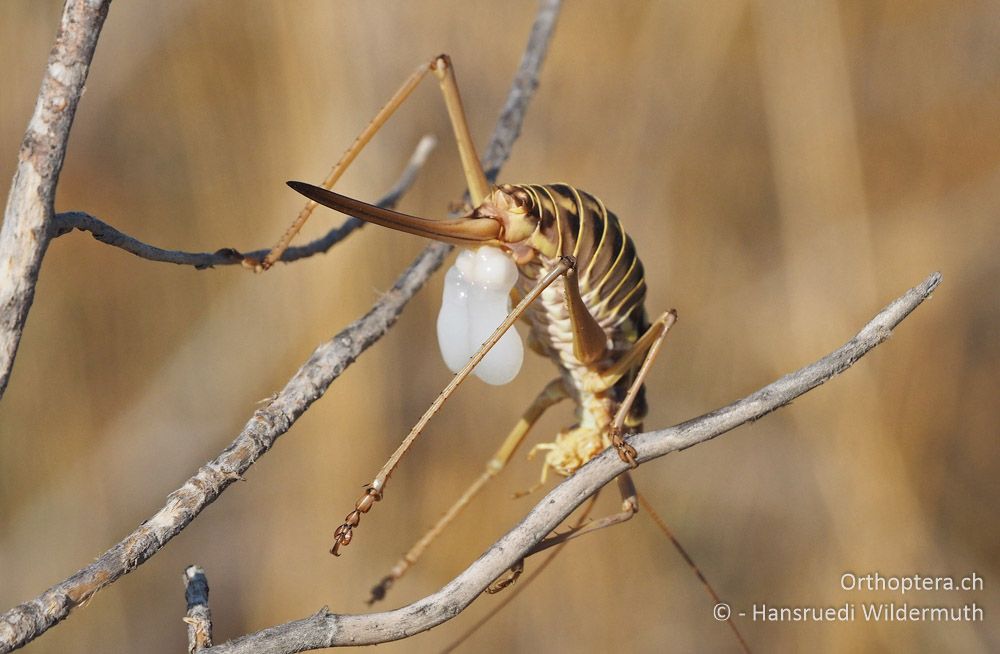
{"x":553,"y":393}
{"x":345,"y":532}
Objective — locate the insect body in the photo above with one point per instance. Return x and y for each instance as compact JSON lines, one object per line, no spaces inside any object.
{"x":537,"y":226}
{"x":581,"y":290}
{"x":612,"y":288}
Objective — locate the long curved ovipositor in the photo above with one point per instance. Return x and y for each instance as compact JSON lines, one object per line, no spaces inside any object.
{"x":461,"y":231}
{"x":476,"y":290}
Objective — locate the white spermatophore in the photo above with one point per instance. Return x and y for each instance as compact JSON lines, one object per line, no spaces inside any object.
{"x":476,"y":300}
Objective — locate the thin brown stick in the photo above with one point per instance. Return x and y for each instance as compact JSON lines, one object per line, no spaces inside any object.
{"x":199,"y":616}
{"x":27,"y":217}
{"x":27,"y":621}
{"x":325,"y":629}
{"x":66,"y":222}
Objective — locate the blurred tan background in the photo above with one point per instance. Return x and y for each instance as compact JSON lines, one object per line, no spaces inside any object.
{"x":786,"y":169}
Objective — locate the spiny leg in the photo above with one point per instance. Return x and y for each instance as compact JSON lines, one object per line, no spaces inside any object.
{"x":554,"y":392}
{"x":345,"y":532}
{"x":474,"y":175}
{"x":645,"y":349}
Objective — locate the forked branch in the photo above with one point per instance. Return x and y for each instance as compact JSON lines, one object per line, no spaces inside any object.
{"x":27,"y":217}
{"x":64,"y":223}
{"x":325,"y":629}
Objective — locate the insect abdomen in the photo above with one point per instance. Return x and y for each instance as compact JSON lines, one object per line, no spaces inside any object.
{"x":611,"y":275}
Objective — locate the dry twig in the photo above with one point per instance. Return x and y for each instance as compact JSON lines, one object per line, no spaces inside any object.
{"x":27,"y":218}
{"x":325,"y":629}
{"x":199,"y":616}
{"x":27,"y":621}
{"x":66,"y":222}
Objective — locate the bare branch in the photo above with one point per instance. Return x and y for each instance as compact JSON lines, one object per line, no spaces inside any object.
{"x":27,"y":621}
{"x":497,"y":152}
{"x":199,"y":617}
{"x":325,"y":629}
{"x":66,"y":222}
{"x":25,"y":232}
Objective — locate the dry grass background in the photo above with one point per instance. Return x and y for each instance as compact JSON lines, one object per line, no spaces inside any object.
{"x":786,"y":168}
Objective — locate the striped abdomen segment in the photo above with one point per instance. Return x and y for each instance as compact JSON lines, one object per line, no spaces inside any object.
{"x":610,"y":274}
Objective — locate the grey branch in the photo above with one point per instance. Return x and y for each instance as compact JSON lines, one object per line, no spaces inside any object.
{"x":199,"y":617}
{"x":66,"y":222}
{"x":325,"y":629}
{"x":25,"y":233}
{"x":27,"y":621}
